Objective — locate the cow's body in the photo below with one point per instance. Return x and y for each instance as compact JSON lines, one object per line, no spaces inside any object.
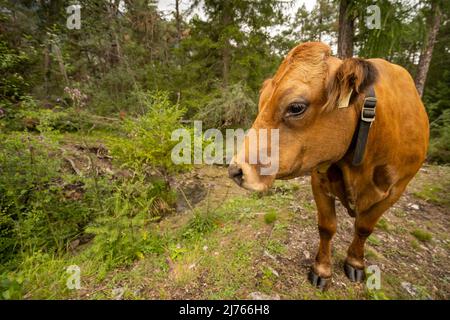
{"x":396,"y":146}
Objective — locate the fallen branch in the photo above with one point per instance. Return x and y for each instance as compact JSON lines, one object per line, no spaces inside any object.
{"x":74,"y":168}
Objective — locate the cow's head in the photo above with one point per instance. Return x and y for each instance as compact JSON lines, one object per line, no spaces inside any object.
{"x":310,"y":100}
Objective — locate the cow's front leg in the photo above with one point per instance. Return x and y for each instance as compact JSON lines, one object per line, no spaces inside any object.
{"x":364,"y":224}
{"x":354,"y":264}
{"x":320,"y":274}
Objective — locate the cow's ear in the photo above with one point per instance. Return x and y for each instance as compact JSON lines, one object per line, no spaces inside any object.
{"x":352,"y":77}
{"x":264,"y":94}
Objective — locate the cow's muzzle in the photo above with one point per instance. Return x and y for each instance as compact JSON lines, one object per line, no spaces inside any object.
{"x":235,"y":172}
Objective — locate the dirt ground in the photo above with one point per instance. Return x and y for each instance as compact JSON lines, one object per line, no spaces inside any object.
{"x":410,"y":245}
{"x":261,"y":247}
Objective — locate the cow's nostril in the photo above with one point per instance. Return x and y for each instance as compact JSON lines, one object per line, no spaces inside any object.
{"x":235,"y":173}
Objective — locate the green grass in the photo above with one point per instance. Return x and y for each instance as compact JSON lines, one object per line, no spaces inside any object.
{"x":415,"y":244}
{"x":435,"y":193}
{"x":371,"y":254}
{"x":207,"y":253}
{"x":276,"y":247}
{"x":383,"y":224}
{"x":373,"y":240}
{"x":376,"y":295}
{"x":270,"y":217}
{"x":422,"y":235}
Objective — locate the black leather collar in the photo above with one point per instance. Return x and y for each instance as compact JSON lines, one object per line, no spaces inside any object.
{"x":365,"y":122}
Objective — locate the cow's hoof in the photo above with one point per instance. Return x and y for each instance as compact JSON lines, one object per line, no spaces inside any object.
{"x":355,"y":275}
{"x":317,"y":281}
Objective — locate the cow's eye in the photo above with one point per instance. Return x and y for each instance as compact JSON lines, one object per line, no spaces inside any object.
{"x":295,"y":109}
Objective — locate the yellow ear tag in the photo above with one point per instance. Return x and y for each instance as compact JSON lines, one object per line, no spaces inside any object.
{"x":345,"y":101}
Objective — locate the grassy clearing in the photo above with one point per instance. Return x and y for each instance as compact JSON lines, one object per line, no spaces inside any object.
{"x":227,"y":249}
{"x":433,"y":186}
{"x":435,"y":193}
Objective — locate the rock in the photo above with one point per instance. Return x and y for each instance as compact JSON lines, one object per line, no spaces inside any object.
{"x":267,"y":254}
{"x":307,"y":254}
{"x":274,"y":272}
{"x":74,"y":244}
{"x":414,"y":206}
{"x":117,"y":293}
{"x":262,"y":296}
{"x":409,"y":288}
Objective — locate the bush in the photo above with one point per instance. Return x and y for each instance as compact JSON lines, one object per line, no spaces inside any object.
{"x":13,"y":63}
{"x":147,"y":144}
{"x":28,"y":116}
{"x":123,"y":235}
{"x":439,"y":150}
{"x":36,"y":211}
{"x":110,"y":93}
{"x":231,"y":107}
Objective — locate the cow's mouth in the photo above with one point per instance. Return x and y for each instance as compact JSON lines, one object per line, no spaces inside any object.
{"x":245,"y":177}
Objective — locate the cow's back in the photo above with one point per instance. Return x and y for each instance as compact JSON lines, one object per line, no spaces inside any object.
{"x":400,"y":132}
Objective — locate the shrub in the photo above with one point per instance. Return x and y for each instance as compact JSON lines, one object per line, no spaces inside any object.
{"x":230,"y":107}
{"x":439,"y":150}
{"x":147,"y":143}
{"x":13,"y":63}
{"x":35,"y":209}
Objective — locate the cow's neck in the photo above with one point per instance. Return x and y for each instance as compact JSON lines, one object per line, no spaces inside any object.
{"x":366,"y":118}
{"x":357,"y":173}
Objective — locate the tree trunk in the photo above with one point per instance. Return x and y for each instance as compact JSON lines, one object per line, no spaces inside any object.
{"x":320,"y":20}
{"x":115,"y":55}
{"x":178,"y":20}
{"x":346,"y":30}
{"x":60,"y":60}
{"x":427,"y":53}
{"x":47,"y":62}
{"x":226,"y":50}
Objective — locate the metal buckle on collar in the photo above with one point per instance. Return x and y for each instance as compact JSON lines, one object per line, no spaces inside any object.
{"x":368,"y":110}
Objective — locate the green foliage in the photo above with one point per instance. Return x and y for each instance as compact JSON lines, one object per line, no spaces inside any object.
{"x":121,"y":238}
{"x":422,"y":235}
{"x":13,"y":64}
{"x":383,"y":224}
{"x":435,"y":192}
{"x":438,"y":104}
{"x":231,"y":106}
{"x":36,"y":210}
{"x":373,"y":240}
{"x":376,"y":295}
{"x":201,"y":223}
{"x":394,"y":35}
{"x":110,"y":93}
{"x":315,"y":24}
{"x":148,"y":144}
{"x":11,"y":286}
{"x":270,"y":217}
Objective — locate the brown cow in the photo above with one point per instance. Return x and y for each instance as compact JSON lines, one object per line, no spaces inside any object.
{"x":316,"y":101}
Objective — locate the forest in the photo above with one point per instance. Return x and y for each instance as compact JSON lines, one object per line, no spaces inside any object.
{"x":93,"y":207}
